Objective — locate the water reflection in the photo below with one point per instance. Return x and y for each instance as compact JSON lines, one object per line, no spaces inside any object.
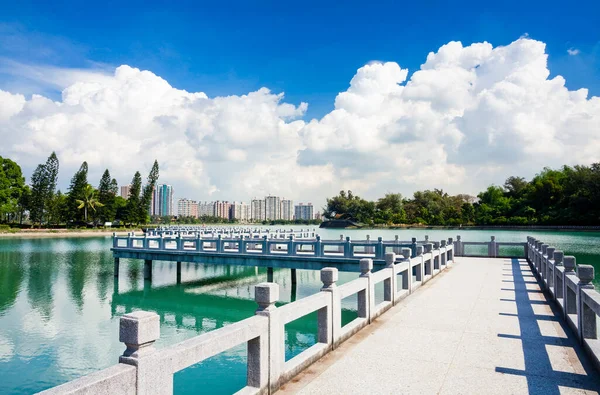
{"x":10,"y":280}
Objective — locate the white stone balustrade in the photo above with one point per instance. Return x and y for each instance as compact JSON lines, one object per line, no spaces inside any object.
{"x":143,"y":369}
{"x":570,"y":286}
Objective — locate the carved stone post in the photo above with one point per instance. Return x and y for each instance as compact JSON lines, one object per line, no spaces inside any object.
{"x":139,"y":330}
{"x":586,"y":317}
{"x":389,"y":285}
{"x":366,"y":299}
{"x":558,"y":274}
{"x":570,"y":296}
{"x":330,"y":322}
{"x":265,"y":295}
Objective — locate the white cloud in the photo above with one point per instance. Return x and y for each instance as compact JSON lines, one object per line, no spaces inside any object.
{"x":471,"y":116}
{"x":573,"y":51}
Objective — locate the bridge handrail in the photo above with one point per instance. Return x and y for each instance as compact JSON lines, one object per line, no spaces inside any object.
{"x":264,"y":333}
{"x":570,"y":285}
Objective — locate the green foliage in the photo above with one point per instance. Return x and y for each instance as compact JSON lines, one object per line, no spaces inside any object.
{"x":134,"y":202}
{"x":12,"y":185}
{"x":77,"y":190}
{"x":146,"y":200}
{"x":88,"y":202}
{"x":43,"y":185}
{"x":107,"y":194}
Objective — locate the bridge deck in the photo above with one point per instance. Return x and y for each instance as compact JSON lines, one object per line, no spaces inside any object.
{"x":483,"y":327}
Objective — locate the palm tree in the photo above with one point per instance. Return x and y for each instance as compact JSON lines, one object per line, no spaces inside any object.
{"x":89,"y":200}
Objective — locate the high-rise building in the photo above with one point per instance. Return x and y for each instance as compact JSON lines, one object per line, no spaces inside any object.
{"x":153,"y":202}
{"x":187,"y":208}
{"x":303,"y":211}
{"x":287,"y":209}
{"x":257,"y":210}
{"x":222,"y":209}
{"x":125,"y":191}
{"x":206,"y":209}
{"x":272,"y":208}
{"x":240,"y":211}
{"x":165,"y":200}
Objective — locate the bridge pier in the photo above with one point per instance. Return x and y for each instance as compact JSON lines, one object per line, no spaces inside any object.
{"x":116,"y":271}
{"x":147,"y":269}
{"x":269,"y":274}
{"x":178,"y":272}
{"x":294,"y":281}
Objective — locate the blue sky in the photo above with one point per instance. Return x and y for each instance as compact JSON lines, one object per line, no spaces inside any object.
{"x":309,"y":50}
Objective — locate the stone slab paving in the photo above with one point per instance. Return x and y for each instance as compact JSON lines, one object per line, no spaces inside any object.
{"x":482,"y":327}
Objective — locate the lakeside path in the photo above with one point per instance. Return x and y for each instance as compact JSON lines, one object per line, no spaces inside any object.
{"x":482,"y":327}
{"x":60,"y":234}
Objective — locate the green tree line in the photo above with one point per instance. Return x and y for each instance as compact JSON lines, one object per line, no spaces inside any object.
{"x":82,"y":205}
{"x":565,"y":196}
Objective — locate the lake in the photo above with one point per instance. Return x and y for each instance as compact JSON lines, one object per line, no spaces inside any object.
{"x":60,"y":304}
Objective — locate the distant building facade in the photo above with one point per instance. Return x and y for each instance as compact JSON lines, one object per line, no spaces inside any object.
{"x":303,"y":211}
{"x":125,"y":191}
{"x":187,"y":208}
{"x":257,"y":210}
{"x":165,"y":200}
{"x":272,"y":208}
{"x":287,"y":210}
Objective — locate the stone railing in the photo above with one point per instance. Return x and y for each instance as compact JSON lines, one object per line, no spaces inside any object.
{"x":230,"y":232}
{"x":491,"y":249}
{"x":142,"y":369}
{"x":343,"y":248}
{"x":570,"y":285}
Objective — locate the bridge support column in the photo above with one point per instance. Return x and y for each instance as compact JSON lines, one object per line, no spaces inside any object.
{"x":148,"y":269}
{"x":178,"y":272}
{"x":270,"y":274}
{"x":116,"y":267}
{"x":294,"y":280}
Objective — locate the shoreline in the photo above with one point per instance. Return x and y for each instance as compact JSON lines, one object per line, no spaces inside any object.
{"x":60,"y":234}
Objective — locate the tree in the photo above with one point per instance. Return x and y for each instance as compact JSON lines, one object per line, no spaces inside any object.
{"x":106,"y":196}
{"x":146,"y":200}
{"x":76,"y":192}
{"x":134,"y":202}
{"x":12,"y":185}
{"x":89,"y":201}
{"x":43,"y":185}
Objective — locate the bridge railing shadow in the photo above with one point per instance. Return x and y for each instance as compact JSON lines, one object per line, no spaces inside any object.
{"x":538,"y":364}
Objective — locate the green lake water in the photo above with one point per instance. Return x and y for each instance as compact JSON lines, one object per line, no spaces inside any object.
{"x":60,"y":305}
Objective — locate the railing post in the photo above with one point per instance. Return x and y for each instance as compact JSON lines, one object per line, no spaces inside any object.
{"x":265,"y":295}
{"x":379,"y":249}
{"x":291,"y":246}
{"x":413,"y":247}
{"x":330,"y":318}
{"x":558,"y":276}
{"x":436,"y":260}
{"x":459,"y":251}
{"x":550,"y":267}
{"x":421,"y":269}
{"x":586,"y":317}
{"x":161,"y":242}
{"x":318,"y":247}
{"x":366,"y":298}
{"x":406,"y":280}
{"x":265,"y":245}
{"x":115,"y":240}
{"x":543,"y":265}
{"x":179,"y":242}
{"x":428,"y":267}
{"x":389,"y":285}
{"x":443,"y":256}
{"x":450,"y":251}
{"x":242,"y":244}
{"x":348,"y":248}
{"x":492,"y":247}
{"x":139,"y":330}
{"x":569,"y":296}
{"x":396,"y":248}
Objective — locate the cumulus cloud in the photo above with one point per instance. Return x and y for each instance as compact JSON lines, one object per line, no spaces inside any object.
{"x":573,"y":51}
{"x":471,"y":116}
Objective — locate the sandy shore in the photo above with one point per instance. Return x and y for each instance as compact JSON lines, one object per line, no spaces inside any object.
{"x":61,"y":233}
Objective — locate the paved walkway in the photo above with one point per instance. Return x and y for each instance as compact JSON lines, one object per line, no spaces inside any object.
{"x":482,"y":327}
